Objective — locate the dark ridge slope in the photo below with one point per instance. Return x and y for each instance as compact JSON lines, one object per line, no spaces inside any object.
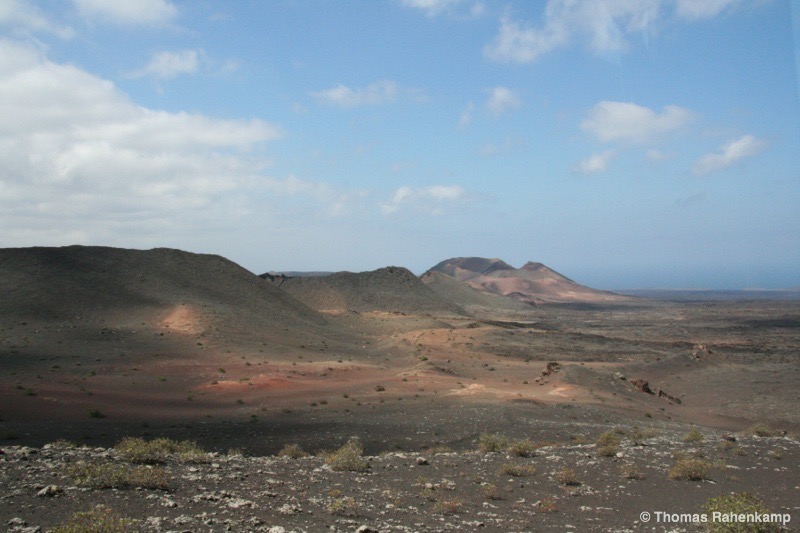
{"x":386,"y":289}
{"x":93,"y":281}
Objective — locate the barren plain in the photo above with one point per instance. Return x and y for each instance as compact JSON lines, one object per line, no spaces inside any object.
{"x":99,"y":344}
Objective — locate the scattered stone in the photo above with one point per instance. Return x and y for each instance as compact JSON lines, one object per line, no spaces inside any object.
{"x":49,"y":491}
{"x":664,"y":394}
{"x":551,"y":368}
{"x":642,"y":385}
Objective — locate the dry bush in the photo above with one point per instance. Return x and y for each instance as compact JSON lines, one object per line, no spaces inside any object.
{"x":741,"y":503}
{"x":348,"y":458}
{"x":690,"y":469}
{"x":516,"y":470}
{"x":492,"y":443}
{"x":568,"y":477}
{"x":118,"y":476}
{"x":156,"y":451}
{"x":760,"y":430}
{"x":448,"y":506}
{"x":292,"y":451}
{"x":522,"y":447}
{"x":101,"y":519}
{"x":694,"y":437}
{"x":345,"y":506}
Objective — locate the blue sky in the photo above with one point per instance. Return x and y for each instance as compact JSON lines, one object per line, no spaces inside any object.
{"x":624,"y":143}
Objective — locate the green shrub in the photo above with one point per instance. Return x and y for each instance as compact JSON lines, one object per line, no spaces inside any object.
{"x":101,"y":519}
{"x":522,"y":448}
{"x":607,"y":451}
{"x":118,"y":476}
{"x":567,"y":477}
{"x":738,"y":504}
{"x":761,"y":430}
{"x":293,"y":451}
{"x":348,"y":458}
{"x":693,"y":437}
{"x":492,"y":442}
{"x":690,"y":469}
{"x":345,"y":506}
{"x":156,"y":451}
{"x":516,"y":470}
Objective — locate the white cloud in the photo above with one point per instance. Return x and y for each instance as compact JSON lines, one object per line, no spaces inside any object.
{"x":502,"y":99}
{"x":27,"y":18}
{"x":466,"y":116}
{"x":702,"y":9}
{"x":431,"y":7}
{"x":626,"y":121}
{"x":656,"y":155}
{"x":380,"y":92}
{"x":595,"y":163}
{"x":431,"y":200}
{"x":129,"y":12}
{"x":168,"y":65}
{"x":605,"y":26}
{"x":78,"y":158}
{"x":728,"y":154}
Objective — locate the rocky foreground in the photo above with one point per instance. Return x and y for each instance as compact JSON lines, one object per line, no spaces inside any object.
{"x":592,"y":483}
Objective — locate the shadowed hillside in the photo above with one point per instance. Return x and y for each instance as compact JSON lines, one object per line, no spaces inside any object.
{"x":101,"y":283}
{"x":386,"y":289}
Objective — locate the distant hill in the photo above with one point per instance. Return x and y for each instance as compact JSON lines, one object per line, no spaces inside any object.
{"x":469,"y":297}
{"x":102,"y":283}
{"x":386,"y":289}
{"x":533,"y":283}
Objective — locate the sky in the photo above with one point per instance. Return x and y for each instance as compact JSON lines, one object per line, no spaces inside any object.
{"x":623,"y":143}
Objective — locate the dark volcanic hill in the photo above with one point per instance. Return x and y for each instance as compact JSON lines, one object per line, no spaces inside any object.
{"x":108,"y":284}
{"x":533,"y":283}
{"x":386,"y":289}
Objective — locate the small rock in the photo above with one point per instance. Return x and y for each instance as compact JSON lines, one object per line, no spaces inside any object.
{"x":50,"y":490}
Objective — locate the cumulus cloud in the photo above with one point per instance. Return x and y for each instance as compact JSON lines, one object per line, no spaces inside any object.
{"x":380,"y":92}
{"x":431,"y":7}
{"x":729,"y":154}
{"x":702,"y":9}
{"x":78,"y":157}
{"x":166,"y":64}
{"x":502,"y":99}
{"x":431,"y":200}
{"x":604,"y":26}
{"x":626,"y":121}
{"x":595,"y":163}
{"x":27,"y":18}
{"x":128,"y":12}
{"x":466,"y":116}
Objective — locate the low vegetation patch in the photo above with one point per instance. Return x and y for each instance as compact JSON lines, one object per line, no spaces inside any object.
{"x":348,"y":458}
{"x":157,"y":451}
{"x":492,"y":443}
{"x":694,"y":437}
{"x":735,"y":504}
{"x":101,"y":519}
{"x":118,"y":476}
{"x":292,"y":451}
{"x":522,"y":448}
{"x":516,"y":470}
{"x":690,"y":469}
